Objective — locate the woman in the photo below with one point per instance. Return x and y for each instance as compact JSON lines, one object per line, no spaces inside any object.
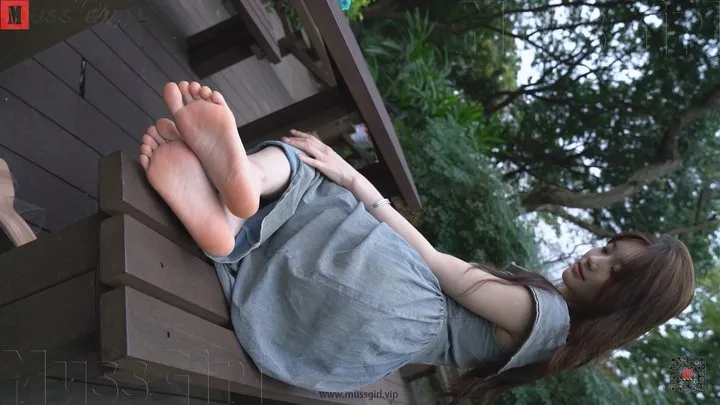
{"x":331,"y":289}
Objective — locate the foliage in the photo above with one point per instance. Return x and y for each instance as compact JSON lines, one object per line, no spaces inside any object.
{"x":467,"y":210}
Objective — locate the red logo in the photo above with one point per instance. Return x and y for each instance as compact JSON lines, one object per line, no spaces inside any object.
{"x":687,"y":374}
{"x":14,"y":14}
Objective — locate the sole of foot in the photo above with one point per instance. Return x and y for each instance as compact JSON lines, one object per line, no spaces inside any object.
{"x":176,"y":173}
{"x":207,"y":125}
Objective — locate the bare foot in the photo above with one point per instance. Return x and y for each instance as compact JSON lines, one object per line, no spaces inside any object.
{"x":208,"y":127}
{"x":177,"y":175}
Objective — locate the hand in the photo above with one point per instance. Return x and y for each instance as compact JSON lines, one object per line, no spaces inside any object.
{"x":323,"y":158}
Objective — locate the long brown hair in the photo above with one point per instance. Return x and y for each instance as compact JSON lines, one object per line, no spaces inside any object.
{"x":654,"y":286}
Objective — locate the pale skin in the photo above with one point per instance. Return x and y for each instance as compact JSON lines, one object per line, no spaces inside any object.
{"x":200,"y":168}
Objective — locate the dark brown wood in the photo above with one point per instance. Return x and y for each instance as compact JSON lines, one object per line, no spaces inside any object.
{"x":321,"y":108}
{"x":51,"y":21}
{"x":133,"y":255}
{"x":220,"y":46}
{"x":116,"y":70}
{"x":140,"y":63}
{"x":114,"y":104}
{"x":137,"y":329}
{"x":49,"y":260}
{"x":57,"y":324}
{"x":256,"y":20}
{"x":31,"y":135}
{"x":62,"y":203}
{"x":142,"y":37}
{"x":32,"y":81}
{"x":59,"y":392}
{"x":353,"y":69}
{"x":124,"y":189}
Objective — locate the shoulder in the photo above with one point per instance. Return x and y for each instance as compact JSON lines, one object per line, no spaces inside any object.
{"x":513,"y":333}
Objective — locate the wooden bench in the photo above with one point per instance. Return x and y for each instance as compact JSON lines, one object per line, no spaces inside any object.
{"x":125,"y":298}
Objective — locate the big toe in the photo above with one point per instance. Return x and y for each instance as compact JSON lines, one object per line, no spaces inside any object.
{"x":173,"y":97}
{"x":167,"y":129}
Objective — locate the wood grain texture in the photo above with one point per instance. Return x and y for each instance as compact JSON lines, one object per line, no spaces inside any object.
{"x":138,"y":328}
{"x":57,"y":324}
{"x":133,"y":255}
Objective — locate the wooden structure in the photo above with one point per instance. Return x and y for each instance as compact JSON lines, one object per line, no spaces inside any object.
{"x":113,"y":295}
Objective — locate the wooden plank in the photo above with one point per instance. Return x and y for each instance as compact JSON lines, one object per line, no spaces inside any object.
{"x":219,"y":47}
{"x":323,"y":107}
{"x":51,"y":22}
{"x":134,"y":57}
{"x":59,"y":392}
{"x":62,"y":203}
{"x":114,"y":104}
{"x":311,"y":30}
{"x":49,"y":260}
{"x":136,"y":256}
{"x":139,"y":34}
{"x":353,"y":69}
{"x":124,"y":189}
{"x":255,"y":19}
{"x":100,"y":56}
{"x":28,"y":133}
{"x":32,"y":80}
{"x":57,"y":324}
{"x":63,"y":62}
{"x":136,"y":329}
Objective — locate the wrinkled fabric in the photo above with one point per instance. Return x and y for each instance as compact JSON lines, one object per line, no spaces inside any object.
{"x":324,"y":296}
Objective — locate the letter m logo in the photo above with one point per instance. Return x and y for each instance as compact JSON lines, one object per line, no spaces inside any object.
{"x":14,"y":14}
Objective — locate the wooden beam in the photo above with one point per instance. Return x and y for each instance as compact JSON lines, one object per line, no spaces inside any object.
{"x":219,"y":47}
{"x":353,"y":69}
{"x":49,"y":260}
{"x":52,"y":21}
{"x":318,"y":109}
{"x":124,"y":189}
{"x":57,"y":324}
{"x":147,"y":336}
{"x":133,"y":255}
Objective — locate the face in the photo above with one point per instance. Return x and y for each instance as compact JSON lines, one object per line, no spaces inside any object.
{"x":584,"y":278}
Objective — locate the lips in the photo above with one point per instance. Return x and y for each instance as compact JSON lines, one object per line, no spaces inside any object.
{"x":579,"y":270}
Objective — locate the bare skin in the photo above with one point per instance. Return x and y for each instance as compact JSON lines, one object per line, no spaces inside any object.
{"x":178,"y":176}
{"x":208,"y":127}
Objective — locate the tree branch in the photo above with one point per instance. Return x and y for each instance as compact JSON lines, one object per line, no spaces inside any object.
{"x":713,"y":222}
{"x":668,"y":161}
{"x":587,"y":225}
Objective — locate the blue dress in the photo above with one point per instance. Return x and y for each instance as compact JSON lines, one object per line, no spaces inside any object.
{"x":325,"y":297}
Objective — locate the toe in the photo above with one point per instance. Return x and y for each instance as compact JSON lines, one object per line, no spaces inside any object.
{"x":206,"y":93}
{"x":195,"y":90}
{"x":150,"y":141}
{"x":173,"y":97}
{"x":185,"y":90}
{"x":167,"y":129}
{"x":144,"y":161}
{"x":146,"y":150}
{"x":217,"y":98}
{"x":153,"y":132}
